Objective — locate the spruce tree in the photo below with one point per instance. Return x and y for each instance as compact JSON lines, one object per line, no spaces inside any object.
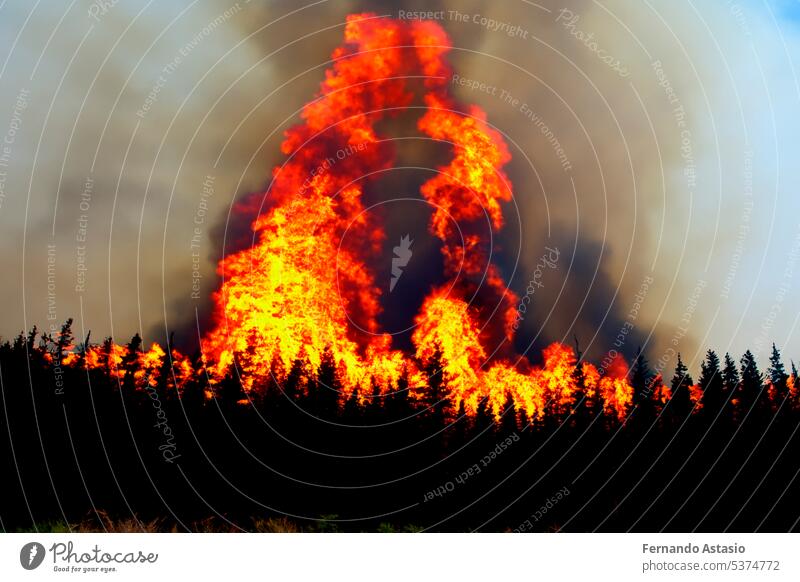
{"x":436,"y":398}
{"x":19,"y":343}
{"x":508,"y":422}
{"x":352,"y":412}
{"x":376,"y":409}
{"x":108,"y":356}
{"x":165,"y":379}
{"x":31,"y":342}
{"x":65,"y":340}
{"x":130,"y":362}
{"x":229,"y":390}
{"x":398,"y":403}
{"x":730,"y":377}
{"x":777,"y":376}
{"x":295,"y":379}
{"x":586,"y":409}
{"x":751,"y":384}
{"x":484,"y":420}
{"x":711,"y":382}
{"x":327,"y":388}
{"x":681,"y":404}
{"x":458,"y":433}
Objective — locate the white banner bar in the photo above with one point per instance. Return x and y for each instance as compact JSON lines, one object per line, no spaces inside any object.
{"x":401,"y":557}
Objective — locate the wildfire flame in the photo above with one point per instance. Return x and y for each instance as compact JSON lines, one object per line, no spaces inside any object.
{"x":277,"y":301}
{"x":305,"y":289}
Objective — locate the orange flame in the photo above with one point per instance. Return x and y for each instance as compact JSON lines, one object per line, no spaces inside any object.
{"x":304,"y":287}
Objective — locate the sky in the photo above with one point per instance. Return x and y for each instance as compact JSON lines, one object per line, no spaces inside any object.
{"x":131,"y":129}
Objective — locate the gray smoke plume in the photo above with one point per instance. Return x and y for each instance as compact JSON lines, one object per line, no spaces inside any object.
{"x":638,"y":141}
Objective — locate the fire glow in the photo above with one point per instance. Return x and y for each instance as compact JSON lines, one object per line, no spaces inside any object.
{"x":305,"y":289}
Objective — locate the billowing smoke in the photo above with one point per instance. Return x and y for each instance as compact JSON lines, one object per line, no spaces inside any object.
{"x":588,"y":170}
{"x":631,"y":157}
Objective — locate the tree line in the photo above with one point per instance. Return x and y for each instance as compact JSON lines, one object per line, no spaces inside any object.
{"x":79,"y":439}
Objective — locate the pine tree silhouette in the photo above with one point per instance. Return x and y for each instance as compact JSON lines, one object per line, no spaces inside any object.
{"x":458,"y":432}
{"x":326,"y":391}
{"x":65,"y":340}
{"x":730,"y":378}
{"x":398,"y":405}
{"x":31,"y":342}
{"x":778,"y":378}
{"x":750,"y":386}
{"x":711,"y":383}
{"x":436,"y":398}
{"x":376,"y":409}
{"x":588,"y":406}
{"x":484,"y":421}
{"x":508,"y":422}
{"x":681,"y":403}
{"x":295,"y":382}
{"x":229,"y":390}
{"x":108,"y":355}
{"x":352,"y":410}
{"x":165,"y":379}
{"x":130,"y":363}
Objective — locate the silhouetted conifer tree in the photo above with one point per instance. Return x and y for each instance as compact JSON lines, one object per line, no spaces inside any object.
{"x":19,"y":343}
{"x":711,"y":382}
{"x":351,"y":411}
{"x":31,"y":343}
{"x":327,"y":388}
{"x":294,"y":384}
{"x":376,"y":409}
{"x":229,"y":390}
{"x":130,"y":363}
{"x":681,"y":404}
{"x":750,"y":385}
{"x":730,"y":378}
{"x":587,"y":405}
{"x":777,"y":376}
{"x":436,"y":397}
{"x":484,"y":421}
{"x":398,"y":403}
{"x":65,"y":340}
{"x":458,"y":434}
{"x":165,"y":379}
{"x":508,"y":422}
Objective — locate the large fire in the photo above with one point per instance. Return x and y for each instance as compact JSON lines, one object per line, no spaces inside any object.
{"x":305,"y":288}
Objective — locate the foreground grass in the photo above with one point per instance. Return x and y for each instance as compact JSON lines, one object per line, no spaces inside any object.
{"x":101,"y":522}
